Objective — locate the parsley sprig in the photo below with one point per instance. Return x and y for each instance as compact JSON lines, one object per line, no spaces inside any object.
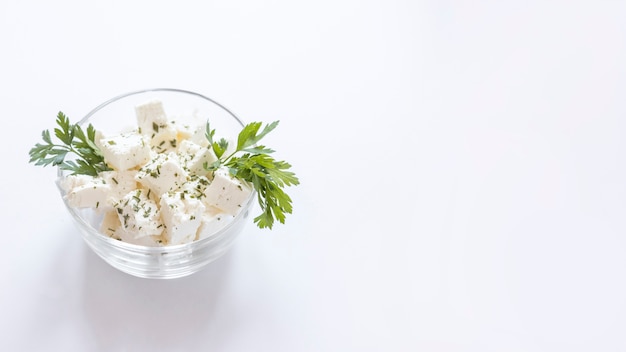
{"x":89,"y":159}
{"x":253,"y":163}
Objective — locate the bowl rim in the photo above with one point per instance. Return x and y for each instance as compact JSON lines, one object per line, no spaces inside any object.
{"x":142,"y":91}
{"x":149,"y":249}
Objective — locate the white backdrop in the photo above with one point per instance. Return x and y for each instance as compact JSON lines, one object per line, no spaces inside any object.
{"x":462,"y":168}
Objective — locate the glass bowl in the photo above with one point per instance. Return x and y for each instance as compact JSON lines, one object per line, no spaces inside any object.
{"x":170,"y":261}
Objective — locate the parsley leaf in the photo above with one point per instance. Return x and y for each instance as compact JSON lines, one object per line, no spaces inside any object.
{"x":89,"y":159}
{"x":255,"y":166}
{"x":248,"y":136}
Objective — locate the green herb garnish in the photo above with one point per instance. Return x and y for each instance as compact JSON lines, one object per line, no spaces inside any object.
{"x":256,"y":166}
{"x":89,"y":159}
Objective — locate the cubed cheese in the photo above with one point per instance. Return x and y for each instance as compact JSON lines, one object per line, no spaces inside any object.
{"x":148,"y":241}
{"x":139,"y":215}
{"x":154,"y":125}
{"x":226,"y":192}
{"x":150,"y":116}
{"x":121,"y":183}
{"x":72,"y":181}
{"x":183,"y":132}
{"x":193,"y":157}
{"x":212,"y":221}
{"x":186,"y":151}
{"x":194,"y":133}
{"x":112,"y":227}
{"x":125,"y":151}
{"x":181,"y":215}
{"x":164,"y":138}
{"x":162,"y":174}
{"x":195,"y":187}
{"x":91,"y":194}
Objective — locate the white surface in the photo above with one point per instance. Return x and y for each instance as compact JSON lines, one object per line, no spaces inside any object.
{"x":462,"y":166}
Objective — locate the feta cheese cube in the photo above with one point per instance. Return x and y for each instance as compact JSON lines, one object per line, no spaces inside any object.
{"x":72,"y":181}
{"x":212,"y":221}
{"x":195,"y":187}
{"x":124,"y":151}
{"x":148,"y":241}
{"x":120,"y":182}
{"x":154,"y":125}
{"x":164,"y":138}
{"x":183,"y":132}
{"x":193,"y":157}
{"x":226,"y":192}
{"x":181,"y":215}
{"x":139,"y":215}
{"x":162,"y":174}
{"x":91,"y":194}
{"x":194,"y":133}
{"x":112,"y":227}
{"x":150,"y":116}
{"x":186,"y":150}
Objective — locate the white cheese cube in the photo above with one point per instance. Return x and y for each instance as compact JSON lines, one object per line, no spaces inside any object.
{"x":164,"y":138}
{"x":124,"y":151}
{"x":226,"y":192}
{"x":72,"y":181}
{"x":121,"y":183}
{"x":181,"y":215}
{"x":162,"y":174}
{"x":193,"y":157}
{"x":212,"y":221}
{"x":92,"y":194}
{"x":195,"y":131}
{"x":154,"y":125}
{"x":196,"y":134}
{"x":139,"y":215}
{"x":112,"y":227}
{"x":186,"y":150}
{"x":148,"y":241}
{"x":195,"y":187}
{"x":183,"y":132}
{"x":150,"y":116}
{"x":199,"y":135}
{"x":111,"y":224}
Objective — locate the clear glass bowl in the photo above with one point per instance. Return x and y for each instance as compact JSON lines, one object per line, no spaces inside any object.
{"x":165,"y":262}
